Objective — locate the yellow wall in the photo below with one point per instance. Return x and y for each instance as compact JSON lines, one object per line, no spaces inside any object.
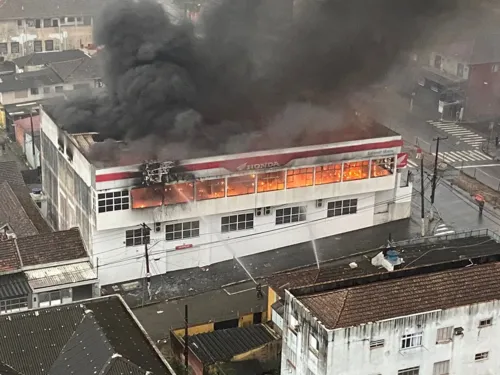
{"x":194,"y":330}
{"x":246,"y":320}
{"x":2,"y":117}
{"x":271,"y":298}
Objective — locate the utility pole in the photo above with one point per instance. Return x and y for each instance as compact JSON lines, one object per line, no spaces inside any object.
{"x":422,"y":192}
{"x":434,"y":176}
{"x":145,"y":240}
{"x":186,"y":340}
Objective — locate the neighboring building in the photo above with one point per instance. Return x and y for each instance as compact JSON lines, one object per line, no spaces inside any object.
{"x":96,"y":336}
{"x":466,"y":77}
{"x":27,"y":131}
{"x":208,"y":351}
{"x":432,"y":319}
{"x":225,"y":206}
{"x":46,"y":75}
{"x":27,"y":26}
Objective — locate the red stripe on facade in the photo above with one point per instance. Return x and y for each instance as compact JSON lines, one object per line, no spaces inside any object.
{"x":244,"y":163}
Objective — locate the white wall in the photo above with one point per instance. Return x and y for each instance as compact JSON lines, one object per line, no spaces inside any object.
{"x":449,"y":65}
{"x":349,"y":352}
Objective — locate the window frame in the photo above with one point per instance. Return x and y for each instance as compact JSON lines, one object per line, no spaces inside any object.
{"x":11,"y":305}
{"x":306,"y":172}
{"x":47,"y":43}
{"x":34,"y":91}
{"x":411,"y":340}
{"x":296,"y":214}
{"x":4,"y":48}
{"x":239,"y":222}
{"x":137,"y":237}
{"x":363,"y":165}
{"x":185,"y":229}
{"x":481,"y":356}
{"x":37,"y":46}
{"x":120,"y":201}
{"x":17,"y":49}
{"x":485,"y":323}
{"x":376,"y":344}
{"x":441,"y":368}
{"x":444,"y":335}
{"x":338,"y":208}
{"x":275,"y":175}
{"x":410,"y":371}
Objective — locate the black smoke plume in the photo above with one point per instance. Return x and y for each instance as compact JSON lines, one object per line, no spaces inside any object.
{"x":173,"y":93}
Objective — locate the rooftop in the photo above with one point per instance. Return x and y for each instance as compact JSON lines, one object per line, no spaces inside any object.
{"x":22,"y":9}
{"x":97,"y":336}
{"x":44,"y":248}
{"x":415,"y":253}
{"x":29,"y":80}
{"x":222,"y":345}
{"x":403,"y":293}
{"x":45,"y":58}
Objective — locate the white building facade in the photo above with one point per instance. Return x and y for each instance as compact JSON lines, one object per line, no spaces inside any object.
{"x":456,"y":341}
{"x":220,"y":207}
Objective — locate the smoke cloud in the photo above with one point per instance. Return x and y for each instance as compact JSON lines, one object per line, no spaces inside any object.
{"x":171,"y":93}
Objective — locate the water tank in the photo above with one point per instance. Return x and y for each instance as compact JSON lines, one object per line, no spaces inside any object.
{"x":392,"y":256}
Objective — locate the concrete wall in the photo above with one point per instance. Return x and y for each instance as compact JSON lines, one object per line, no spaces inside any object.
{"x":449,"y":65}
{"x":347,"y":351}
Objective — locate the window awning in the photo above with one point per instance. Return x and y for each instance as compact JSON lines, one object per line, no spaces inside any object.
{"x":13,"y":286}
{"x":60,"y":275}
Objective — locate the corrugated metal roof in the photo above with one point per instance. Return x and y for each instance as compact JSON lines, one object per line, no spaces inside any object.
{"x":60,"y":275}
{"x":14,"y":285}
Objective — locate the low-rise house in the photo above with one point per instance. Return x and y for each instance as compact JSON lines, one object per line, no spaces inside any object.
{"x":28,"y":26}
{"x":43,"y":76}
{"x":465,"y":75}
{"x":404,"y":318}
{"x":207,"y":351}
{"x":95,"y":336}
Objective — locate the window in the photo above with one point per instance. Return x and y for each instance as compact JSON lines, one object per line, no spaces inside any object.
{"x":13,"y":305}
{"x":51,"y":298}
{"x":382,"y":167}
{"x":293,"y":322}
{"x":409,"y":371}
{"x":55,"y":22}
{"x":345,"y":207}
{"x":485,"y":323}
{"x":59,"y":89}
{"x":81,"y":86}
{"x":47,"y":22}
{"x":291,"y":215}
{"x":70,"y":19}
{"x":37,"y":46}
{"x":437,"y":62}
{"x":20,"y":23}
{"x":481,"y":356}
{"x":494,"y":68}
{"x":3,"y":49}
{"x":179,"y":193}
{"x":444,"y":335}
{"x":113,"y":201}
{"x":179,"y":231}
{"x":14,"y":47}
{"x":87,"y":21}
{"x":411,"y":341}
{"x":135,"y":237}
{"x":236,"y":222}
{"x":460,"y":70}
{"x":49,"y":45}
{"x":241,"y":185}
{"x":357,"y":170}
{"x":328,"y":174}
{"x":46,"y":90}
{"x":270,"y":181}
{"x":299,"y":178}
{"x":441,"y":368}
{"x":38,"y":24}
{"x":30,"y":23}
{"x":210,"y":189}
{"x":34,"y":91}
{"x":313,"y":344}
{"x":377,"y":344}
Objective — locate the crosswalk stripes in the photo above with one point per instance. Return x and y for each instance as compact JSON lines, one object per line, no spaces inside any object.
{"x":462,"y":156}
{"x":412,"y":164}
{"x":458,"y":131}
{"x":442,"y":230}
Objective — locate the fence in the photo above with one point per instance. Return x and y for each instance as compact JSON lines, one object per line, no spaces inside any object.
{"x":456,"y":235}
{"x":483,"y":177}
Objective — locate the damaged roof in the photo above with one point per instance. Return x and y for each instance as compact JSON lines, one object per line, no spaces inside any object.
{"x":222,"y":345}
{"x":381,"y":300}
{"x":97,"y":336}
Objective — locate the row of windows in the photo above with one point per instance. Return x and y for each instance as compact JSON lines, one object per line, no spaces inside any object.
{"x":13,"y":305}
{"x":260,"y":183}
{"x":38,"y":46}
{"x":232,"y":223}
{"x":113,"y":201}
{"x":55,"y":22}
{"x":439,"y":368}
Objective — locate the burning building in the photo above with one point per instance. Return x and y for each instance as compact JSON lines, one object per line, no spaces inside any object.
{"x":203,"y":210}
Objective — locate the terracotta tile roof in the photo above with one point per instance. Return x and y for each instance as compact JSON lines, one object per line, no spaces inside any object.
{"x":13,"y":214}
{"x":33,"y":213}
{"x":51,"y":247}
{"x":10,"y":172}
{"x":9,"y":258}
{"x":400,"y":297}
{"x":80,"y":338}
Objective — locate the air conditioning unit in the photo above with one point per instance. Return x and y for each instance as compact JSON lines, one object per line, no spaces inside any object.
{"x":267,"y":210}
{"x":258,"y":212}
{"x":458,"y":331}
{"x":157,"y":227}
{"x":319,"y":203}
{"x":263,"y":211}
